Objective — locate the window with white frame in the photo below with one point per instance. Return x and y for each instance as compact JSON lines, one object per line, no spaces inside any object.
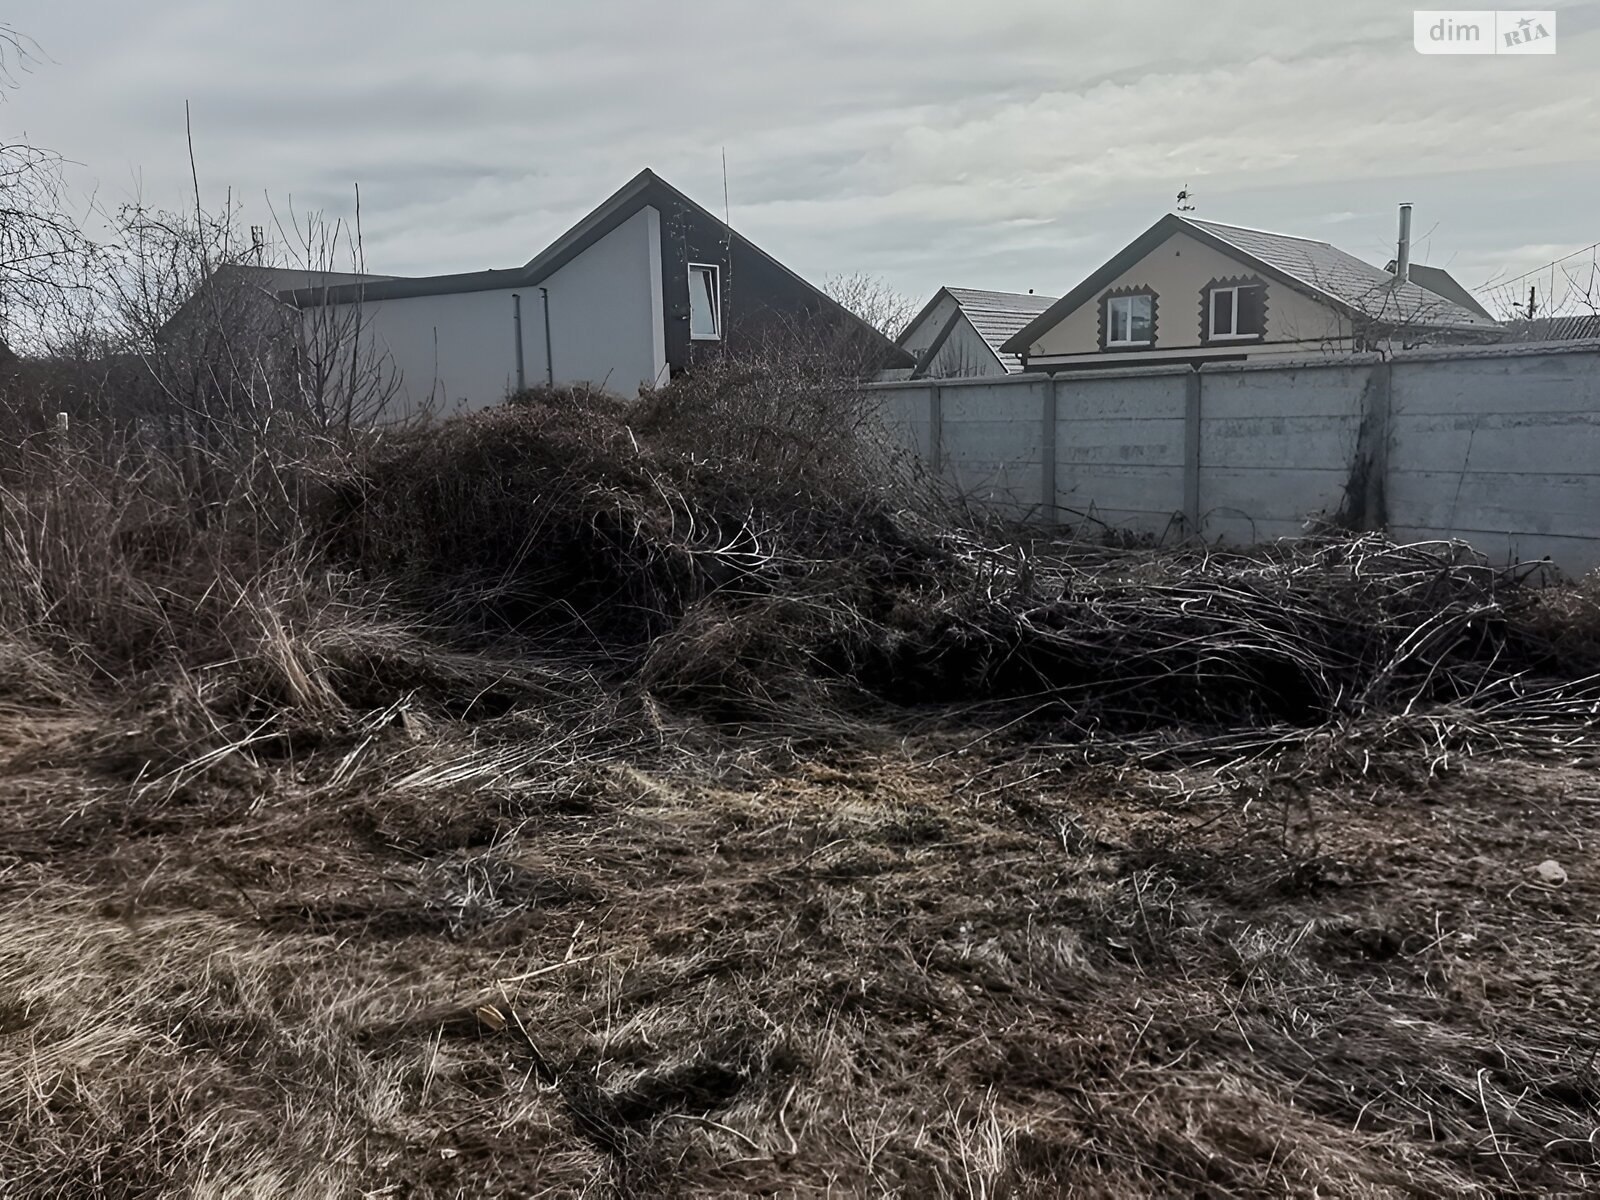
{"x":1234,"y":312}
{"x":1130,"y":320}
{"x":705,"y":302}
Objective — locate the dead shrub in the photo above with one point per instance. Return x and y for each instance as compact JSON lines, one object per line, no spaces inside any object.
{"x":568,"y":513}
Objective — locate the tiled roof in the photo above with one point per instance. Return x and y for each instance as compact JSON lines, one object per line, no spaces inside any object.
{"x":998,"y":315}
{"x":1344,"y":277}
{"x":1554,"y":329}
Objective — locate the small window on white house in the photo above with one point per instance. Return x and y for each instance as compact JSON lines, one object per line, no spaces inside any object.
{"x":1129,"y":320}
{"x":705,"y":302}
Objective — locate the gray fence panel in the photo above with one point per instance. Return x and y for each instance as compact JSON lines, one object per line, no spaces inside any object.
{"x":1120,"y":451}
{"x":1502,"y":452}
{"x":1276,"y":446}
{"x":1499,"y":446}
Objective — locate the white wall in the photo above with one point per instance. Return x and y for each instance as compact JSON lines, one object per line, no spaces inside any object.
{"x":921,"y":337}
{"x":458,"y":351}
{"x":1496,"y":446}
{"x":963,"y":352}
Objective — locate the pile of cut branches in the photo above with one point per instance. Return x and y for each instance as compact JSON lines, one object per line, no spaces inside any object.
{"x":749,"y":591}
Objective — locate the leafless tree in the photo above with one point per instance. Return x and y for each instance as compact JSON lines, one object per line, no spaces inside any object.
{"x":1384,"y":318}
{"x":345,"y":378}
{"x":229,"y":359}
{"x":873,"y":300}
{"x":1563,"y":295}
{"x":18,"y":54}
{"x":39,"y":240}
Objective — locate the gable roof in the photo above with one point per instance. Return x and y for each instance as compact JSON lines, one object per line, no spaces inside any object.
{"x":1441,"y":283}
{"x":1349,"y":284}
{"x":996,"y":316}
{"x":1363,"y":289}
{"x":644,"y":190}
{"x":612,"y":212}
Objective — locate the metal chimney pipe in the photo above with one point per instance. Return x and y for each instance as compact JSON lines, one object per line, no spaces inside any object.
{"x":1402,"y":258}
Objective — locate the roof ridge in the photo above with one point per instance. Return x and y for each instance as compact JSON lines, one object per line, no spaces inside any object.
{"x":1298,"y":237}
{"x":950,"y":287}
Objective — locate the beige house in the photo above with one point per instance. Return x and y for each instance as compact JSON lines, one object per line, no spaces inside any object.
{"x":1199,"y":291}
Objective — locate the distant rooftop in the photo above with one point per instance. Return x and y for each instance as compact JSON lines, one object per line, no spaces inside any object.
{"x":1579,"y":327}
{"x":1352,"y":281}
{"x":995,"y":315}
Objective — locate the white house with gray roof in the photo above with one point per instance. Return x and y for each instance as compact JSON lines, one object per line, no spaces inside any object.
{"x":642,"y":289}
{"x":961,"y":332}
{"x":1200,"y":291}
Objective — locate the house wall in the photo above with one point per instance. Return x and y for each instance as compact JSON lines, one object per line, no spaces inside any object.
{"x":921,"y":337}
{"x":766,"y":308}
{"x":1178,"y":269}
{"x":962,"y":354}
{"x":1497,"y":446}
{"x":457,"y":352}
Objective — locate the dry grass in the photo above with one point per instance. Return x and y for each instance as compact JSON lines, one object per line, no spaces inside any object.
{"x":477,"y":962}
{"x":847,"y":859}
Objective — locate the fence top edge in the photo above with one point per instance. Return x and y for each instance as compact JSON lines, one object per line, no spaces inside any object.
{"x":1029,"y":377}
{"x":1500,"y":350}
{"x":1296,"y":363}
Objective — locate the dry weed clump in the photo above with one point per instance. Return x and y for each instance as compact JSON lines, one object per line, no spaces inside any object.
{"x":570,"y":515}
{"x":770,"y":581}
{"x":111,"y":559}
{"x":1562,"y":625}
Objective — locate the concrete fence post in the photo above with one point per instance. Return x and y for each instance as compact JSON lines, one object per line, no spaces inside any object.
{"x":1047,"y":451}
{"x":936,"y":430}
{"x":1384,"y":401}
{"x":1368,"y":507}
{"x":1191,"y":451}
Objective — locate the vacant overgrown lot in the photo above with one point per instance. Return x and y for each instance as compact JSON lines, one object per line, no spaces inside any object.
{"x":529,"y":807}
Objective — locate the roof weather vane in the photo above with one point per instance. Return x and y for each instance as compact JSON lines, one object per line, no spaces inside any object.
{"x":1184,"y":198}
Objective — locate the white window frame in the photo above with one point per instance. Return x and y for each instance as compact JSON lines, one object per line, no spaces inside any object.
{"x":716,"y":301}
{"x":1112,"y":303}
{"x":1211,"y":316}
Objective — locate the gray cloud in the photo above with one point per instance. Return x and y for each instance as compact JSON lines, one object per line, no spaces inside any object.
{"x":1008,"y":145}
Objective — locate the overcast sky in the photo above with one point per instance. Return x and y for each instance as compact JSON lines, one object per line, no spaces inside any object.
{"x":1010,"y":145}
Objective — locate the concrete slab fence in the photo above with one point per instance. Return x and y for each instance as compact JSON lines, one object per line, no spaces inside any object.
{"x":1498,"y":446}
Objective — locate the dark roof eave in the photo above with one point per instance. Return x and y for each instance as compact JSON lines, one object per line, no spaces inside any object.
{"x":403,"y":289}
{"x":1019,"y":342}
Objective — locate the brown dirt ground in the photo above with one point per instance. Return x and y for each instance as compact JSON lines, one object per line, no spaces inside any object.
{"x":432,"y":958}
